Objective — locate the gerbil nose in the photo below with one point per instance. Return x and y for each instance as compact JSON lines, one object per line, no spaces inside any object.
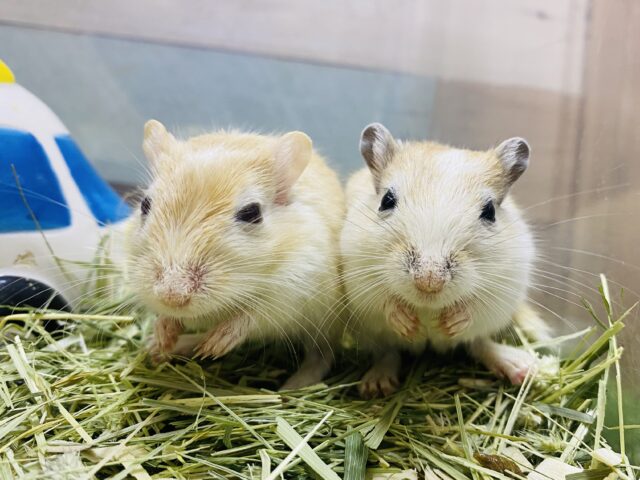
{"x":175,"y":287}
{"x":429,"y":274}
{"x":172,"y":292}
{"x":175,"y":299}
{"x":429,"y":282}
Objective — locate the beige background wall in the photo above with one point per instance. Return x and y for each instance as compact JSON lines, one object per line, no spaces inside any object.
{"x":536,"y":43}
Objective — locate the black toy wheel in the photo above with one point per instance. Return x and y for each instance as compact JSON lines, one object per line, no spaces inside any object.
{"x":27,"y":292}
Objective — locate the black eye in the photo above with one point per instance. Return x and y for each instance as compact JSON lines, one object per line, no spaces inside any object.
{"x":145,"y":206}
{"x":389,"y":201}
{"x":488,"y":212}
{"x":250,"y":213}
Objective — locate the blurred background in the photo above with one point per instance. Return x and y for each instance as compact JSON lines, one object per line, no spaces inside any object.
{"x":565,"y":74}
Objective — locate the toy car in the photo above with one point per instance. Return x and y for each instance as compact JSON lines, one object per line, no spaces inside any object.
{"x":55,"y":209}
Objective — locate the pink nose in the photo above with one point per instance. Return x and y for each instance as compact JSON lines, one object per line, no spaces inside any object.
{"x":429,"y":283}
{"x":175,"y":300}
{"x":175,"y":286}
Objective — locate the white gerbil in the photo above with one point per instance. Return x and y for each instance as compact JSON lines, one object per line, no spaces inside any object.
{"x":237,"y":236}
{"x":435,"y":251}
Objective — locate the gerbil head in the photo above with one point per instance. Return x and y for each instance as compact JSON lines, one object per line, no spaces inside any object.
{"x":208,"y":234}
{"x":442,"y":216}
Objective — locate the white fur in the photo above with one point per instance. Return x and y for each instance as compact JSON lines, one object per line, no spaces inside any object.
{"x":440,"y":194}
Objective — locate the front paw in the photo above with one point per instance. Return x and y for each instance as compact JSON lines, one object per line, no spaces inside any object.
{"x":221,"y":339}
{"x":156,"y":354}
{"x":186,"y":345}
{"x":454,"y":320}
{"x":402,"y":319}
{"x":165,"y":335}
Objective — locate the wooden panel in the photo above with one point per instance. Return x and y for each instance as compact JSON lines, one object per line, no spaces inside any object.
{"x":609,"y":156}
{"x":534,"y":43}
{"x":609,"y":146}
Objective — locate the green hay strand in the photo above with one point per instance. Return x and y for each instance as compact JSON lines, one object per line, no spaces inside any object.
{"x":85,"y":403}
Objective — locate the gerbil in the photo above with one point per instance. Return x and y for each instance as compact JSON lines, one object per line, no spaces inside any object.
{"x":237,"y":236}
{"x":436,"y":252}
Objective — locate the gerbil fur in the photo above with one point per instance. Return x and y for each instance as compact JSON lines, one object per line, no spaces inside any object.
{"x":430,"y":270}
{"x":194,"y":262}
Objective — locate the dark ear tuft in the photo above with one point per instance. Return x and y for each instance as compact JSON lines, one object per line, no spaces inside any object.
{"x":514,"y":155}
{"x":377,"y":147}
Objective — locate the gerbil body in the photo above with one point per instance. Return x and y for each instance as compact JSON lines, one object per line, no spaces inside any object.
{"x":237,"y":235}
{"x":435,"y":252}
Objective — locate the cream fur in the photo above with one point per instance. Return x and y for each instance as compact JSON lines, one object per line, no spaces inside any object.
{"x":282,"y":273}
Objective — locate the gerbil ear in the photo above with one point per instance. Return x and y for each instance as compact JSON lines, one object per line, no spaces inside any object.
{"x":156,"y":140}
{"x":514,"y":157}
{"x":377,"y":147}
{"x":292,"y":155}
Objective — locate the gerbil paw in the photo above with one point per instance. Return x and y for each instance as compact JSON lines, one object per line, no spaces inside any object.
{"x":219,"y":341}
{"x":315,"y":366}
{"x":165,"y":335}
{"x":156,"y":354}
{"x":454,"y":320}
{"x":402,"y":319}
{"x":214,"y":348}
{"x":300,"y":379}
{"x":512,"y":363}
{"x":378,"y":382}
{"x":186,"y":345}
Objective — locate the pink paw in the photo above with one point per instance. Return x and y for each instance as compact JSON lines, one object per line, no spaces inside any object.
{"x":157,"y":355}
{"x":215,"y":346}
{"x":454,"y":320}
{"x":513,"y":363}
{"x":222,"y":338}
{"x":378,"y":383}
{"x":186,"y":344}
{"x":402,"y":319}
{"x":165,"y":335}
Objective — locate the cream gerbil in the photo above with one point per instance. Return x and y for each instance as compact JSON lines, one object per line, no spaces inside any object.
{"x":435,"y":251}
{"x":237,"y":236}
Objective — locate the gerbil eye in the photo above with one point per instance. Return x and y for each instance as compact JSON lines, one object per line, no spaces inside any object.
{"x":250,"y":213}
{"x":145,"y":206}
{"x":389,"y":201}
{"x":488,"y":212}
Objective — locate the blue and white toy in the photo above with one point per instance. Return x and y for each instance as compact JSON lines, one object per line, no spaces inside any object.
{"x":54,"y":207}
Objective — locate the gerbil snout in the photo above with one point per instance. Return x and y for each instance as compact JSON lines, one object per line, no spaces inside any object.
{"x":429,"y":275}
{"x":431,"y":282}
{"x":174,"y":286}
